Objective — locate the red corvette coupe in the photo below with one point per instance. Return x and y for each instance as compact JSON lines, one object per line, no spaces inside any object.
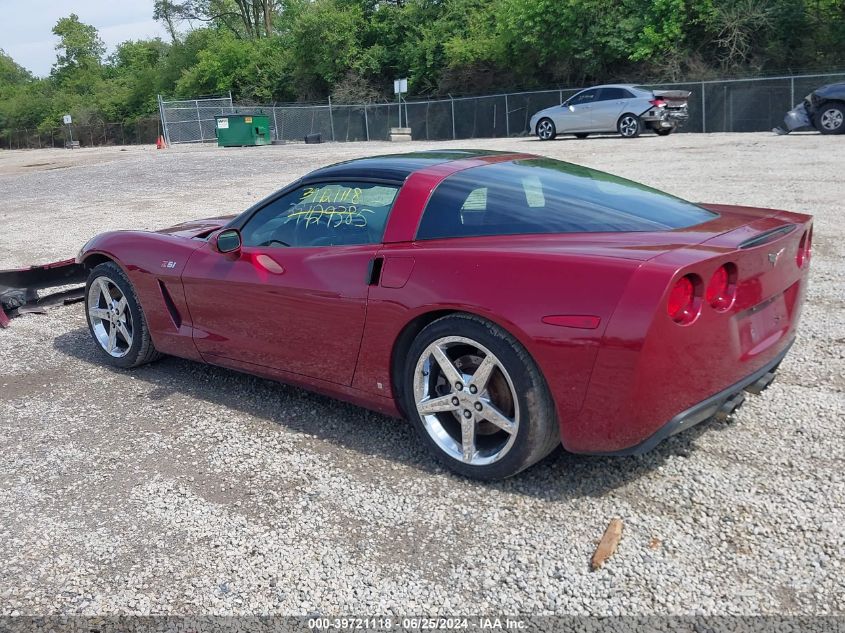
{"x":505,"y":303}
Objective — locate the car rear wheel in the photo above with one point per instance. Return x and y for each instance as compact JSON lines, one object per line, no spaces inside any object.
{"x":582,"y":135}
{"x":546,"y":130}
{"x":831,"y":118}
{"x":477,"y":398}
{"x":115,"y":319}
{"x":629,"y":125}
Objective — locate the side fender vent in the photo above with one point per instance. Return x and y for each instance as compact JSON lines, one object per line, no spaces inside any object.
{"x":374,"y":271}
{"x":171,"y":307}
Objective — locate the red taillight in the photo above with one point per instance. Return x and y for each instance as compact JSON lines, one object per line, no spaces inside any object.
{"x":804,"y":249}
{"x":681,"y":305}
{"x":658,"y":102}
{"x":721,"y":288}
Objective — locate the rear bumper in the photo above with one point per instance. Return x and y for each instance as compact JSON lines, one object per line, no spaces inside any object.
{"x":723,"y":402}
{"x":664,"y":117}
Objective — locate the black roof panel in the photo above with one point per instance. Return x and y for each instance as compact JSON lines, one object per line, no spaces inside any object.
{"x":394,"y":166}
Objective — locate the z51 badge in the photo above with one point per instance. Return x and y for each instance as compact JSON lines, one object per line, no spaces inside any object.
{"x":168,"y":264}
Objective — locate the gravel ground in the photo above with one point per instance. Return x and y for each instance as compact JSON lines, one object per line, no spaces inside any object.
{"x":184,"y":489}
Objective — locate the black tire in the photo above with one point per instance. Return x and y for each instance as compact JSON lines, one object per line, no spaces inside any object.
{"x":141,"y":350}
{"x":582,"y":135}
{"x":664,"y":131}
{"x":830,"y":118}
{"x":537,"y":433}
{"x":546,"y":130}
{"x":629,"y":125}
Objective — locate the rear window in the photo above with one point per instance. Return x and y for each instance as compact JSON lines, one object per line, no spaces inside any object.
{"x":549,"y":196}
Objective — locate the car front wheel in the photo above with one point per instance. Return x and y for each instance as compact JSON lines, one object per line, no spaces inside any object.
{"x":115,"y":319}
{"x":546,"y":130}
{"x":477,"y":398}
{"x":629,"y":125}
{"x":831,"y":119}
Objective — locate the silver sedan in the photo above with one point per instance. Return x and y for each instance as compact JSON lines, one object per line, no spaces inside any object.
{"x":621,"y":108}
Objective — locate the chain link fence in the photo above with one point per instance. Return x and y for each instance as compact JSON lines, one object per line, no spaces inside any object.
{"x":731,"y":105}
{"x":192,"y":120}
{"x":139,"y":132}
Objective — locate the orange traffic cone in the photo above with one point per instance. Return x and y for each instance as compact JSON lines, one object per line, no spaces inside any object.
{"x":160,"y":144}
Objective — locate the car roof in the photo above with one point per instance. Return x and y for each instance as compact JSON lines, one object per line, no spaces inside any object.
{"x":627,"y":86}
{"x":395,"y":167}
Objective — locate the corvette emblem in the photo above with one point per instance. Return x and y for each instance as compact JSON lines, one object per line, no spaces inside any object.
{"x":773,"y":258}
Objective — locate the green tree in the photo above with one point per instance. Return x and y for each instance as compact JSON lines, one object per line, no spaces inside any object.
{"x":284,"y":50}
{"x":252,"y":70}
{"x":324,"y":44}
{"x":11,"y":73}
{"x":79,"y":47}
{"x":134,"y":77}
{"x":244,"y":18}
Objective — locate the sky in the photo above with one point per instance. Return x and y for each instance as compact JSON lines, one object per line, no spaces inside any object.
{"x":26,"y":26}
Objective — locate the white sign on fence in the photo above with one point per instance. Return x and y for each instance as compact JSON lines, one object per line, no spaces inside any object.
{"x":66,"y":119}
{"x":400,"y":86}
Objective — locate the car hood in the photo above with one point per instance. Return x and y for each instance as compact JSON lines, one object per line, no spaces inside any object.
{"x":545,"y":112}
{"x":831,"y":91}
{"x":197,"y":228}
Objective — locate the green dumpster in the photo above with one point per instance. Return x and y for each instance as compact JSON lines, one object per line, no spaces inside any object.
{"x":236,"y":130}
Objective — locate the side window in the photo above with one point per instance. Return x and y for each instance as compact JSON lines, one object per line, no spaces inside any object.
{"x":460,"y":208}
{"x":323,"y":214}
{"x":584,"y":97}
{"x":608,"y":94}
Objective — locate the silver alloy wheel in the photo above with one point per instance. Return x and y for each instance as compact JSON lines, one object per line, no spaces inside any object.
{"x":831,"y":119}
{"x":628,"y":125}
{"x":545,"y":129}
{"x":111,"y":320}
{"x":466,"y":400}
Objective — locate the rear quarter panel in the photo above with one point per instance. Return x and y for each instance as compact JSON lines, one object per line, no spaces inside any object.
{"x":650,"y":368}
{"x":514,"y":289}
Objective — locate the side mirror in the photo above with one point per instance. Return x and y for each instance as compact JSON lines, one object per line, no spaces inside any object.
{"x":571,"y":107}
{"x":227,"y":241}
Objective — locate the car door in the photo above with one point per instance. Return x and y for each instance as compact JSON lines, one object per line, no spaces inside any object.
{"x":576,"y":112}
{"x":609,"y":105}
{"x":294,"y":297}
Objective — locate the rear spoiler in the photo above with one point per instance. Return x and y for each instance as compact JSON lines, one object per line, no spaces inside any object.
{"x":673,"y":95}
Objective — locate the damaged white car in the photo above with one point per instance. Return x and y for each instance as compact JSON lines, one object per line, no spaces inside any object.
{"x":623,"y":108}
